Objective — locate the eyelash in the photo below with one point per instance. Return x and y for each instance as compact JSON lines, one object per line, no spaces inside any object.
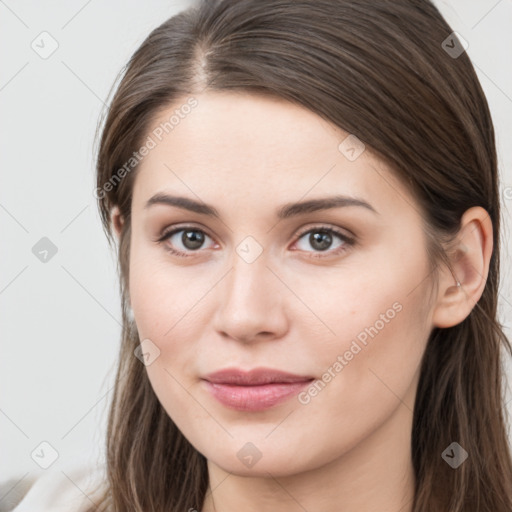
{"x":348,"y":242}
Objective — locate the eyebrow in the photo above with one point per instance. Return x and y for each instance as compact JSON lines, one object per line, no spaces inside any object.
{"x":284,"y":212}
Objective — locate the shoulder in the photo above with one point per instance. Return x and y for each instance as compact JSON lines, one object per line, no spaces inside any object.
{"x":72,"y":489}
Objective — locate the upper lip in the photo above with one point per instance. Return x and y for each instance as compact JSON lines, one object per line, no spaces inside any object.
{"x":254,"y":377}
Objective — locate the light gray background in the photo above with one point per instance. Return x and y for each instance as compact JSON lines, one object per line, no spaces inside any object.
{"x":60,"y":320}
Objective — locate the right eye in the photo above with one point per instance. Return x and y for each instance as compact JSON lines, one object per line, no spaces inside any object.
{"x":191,"y":239}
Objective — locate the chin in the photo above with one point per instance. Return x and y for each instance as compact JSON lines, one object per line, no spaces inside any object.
{"x":255,"y":459}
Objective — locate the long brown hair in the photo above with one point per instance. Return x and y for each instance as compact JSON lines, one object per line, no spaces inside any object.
{"x":391,"y":73}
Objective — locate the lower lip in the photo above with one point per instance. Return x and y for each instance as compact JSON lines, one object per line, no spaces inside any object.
{"x":254,"y":398}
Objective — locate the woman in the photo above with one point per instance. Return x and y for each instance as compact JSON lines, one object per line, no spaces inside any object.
{"x":305,"y":200}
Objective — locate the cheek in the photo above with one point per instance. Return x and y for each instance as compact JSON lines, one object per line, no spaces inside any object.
{"x":381,"y":330}
{"x":168,"y":305}
{"x":165,"y":322}
{"x":164,"y":296}
{"x":368,"y":370}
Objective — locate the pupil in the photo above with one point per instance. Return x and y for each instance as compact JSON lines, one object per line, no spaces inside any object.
{"x":192,"y":239}
{"x":320,"y":240}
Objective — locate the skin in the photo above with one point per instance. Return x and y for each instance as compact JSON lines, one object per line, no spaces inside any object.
{"x":348,"y":448}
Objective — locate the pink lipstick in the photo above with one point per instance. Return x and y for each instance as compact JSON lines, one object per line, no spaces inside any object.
{"x":255,"y":390}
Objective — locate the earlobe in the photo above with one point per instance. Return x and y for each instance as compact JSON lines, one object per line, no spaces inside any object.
{"x":470,"y":267}
{"x":117,"y":220}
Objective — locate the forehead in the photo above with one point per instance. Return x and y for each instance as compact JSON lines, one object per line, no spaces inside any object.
{"x":256,"y":149}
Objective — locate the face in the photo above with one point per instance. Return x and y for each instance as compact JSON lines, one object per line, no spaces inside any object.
{"x":336,"y":295}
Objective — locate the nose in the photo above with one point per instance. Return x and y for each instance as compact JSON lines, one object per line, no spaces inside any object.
{"x":251,"y":303}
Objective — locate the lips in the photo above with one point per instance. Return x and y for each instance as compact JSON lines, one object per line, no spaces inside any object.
{"x":256,"y":390}
{"x":255,"y":377}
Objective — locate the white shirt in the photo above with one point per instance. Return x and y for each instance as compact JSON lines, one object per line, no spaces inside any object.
{"x":68,"y":490}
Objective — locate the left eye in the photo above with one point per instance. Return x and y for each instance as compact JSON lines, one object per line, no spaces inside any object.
{"x":321,"y":239}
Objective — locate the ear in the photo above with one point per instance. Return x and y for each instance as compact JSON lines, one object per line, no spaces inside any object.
{"x":470,"y":264}
{"x":117,"y":220}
